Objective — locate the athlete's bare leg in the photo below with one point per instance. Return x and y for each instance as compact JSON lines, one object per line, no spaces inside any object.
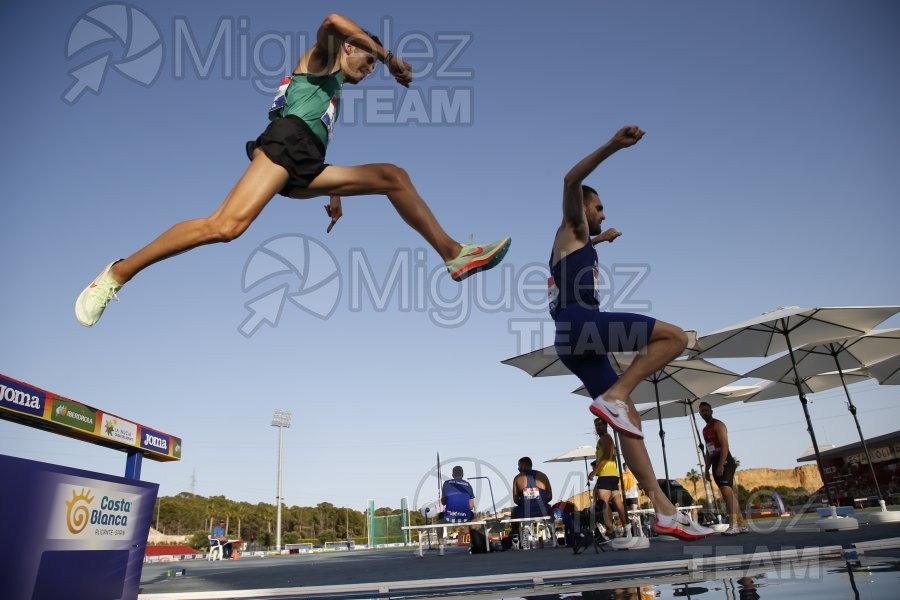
{"x":260,"y":182}
{"x":393,"y":182}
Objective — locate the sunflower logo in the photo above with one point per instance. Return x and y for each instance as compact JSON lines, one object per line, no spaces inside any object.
{"x":78,"y":511}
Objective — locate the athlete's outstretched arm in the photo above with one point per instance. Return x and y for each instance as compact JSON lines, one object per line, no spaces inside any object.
{"x":573,"y":211}
{"x":337,"y":30}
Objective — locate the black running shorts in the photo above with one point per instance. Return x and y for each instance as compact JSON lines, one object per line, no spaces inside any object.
{"x":289,"y":142}
{"x":607,"y":482}
{"x":727,"y":478}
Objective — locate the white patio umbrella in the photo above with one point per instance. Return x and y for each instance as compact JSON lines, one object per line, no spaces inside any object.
{"x":579,"y":453}
{"x":773,"y":390}
{"x":774,"y":332}
{"x":585,"y":452}
{"x":837,"y":355}
{"x":685,"y":408}
{"x":679,"y":380}
{"x":544,"y":362}
{"x":887,"y":371}
{"x":808,"y":385}
{"x":786,"y":328}
{"x":840,"y":356}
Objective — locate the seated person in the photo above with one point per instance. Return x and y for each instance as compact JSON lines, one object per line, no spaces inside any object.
{"x":531,"y":493}
{"x":219,"y":538}
{"x":459,"y":506}
{"x":564,"y":510}
{"x":458,"y":498}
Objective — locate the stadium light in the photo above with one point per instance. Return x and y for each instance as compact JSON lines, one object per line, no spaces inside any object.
{"x":281,"y":419}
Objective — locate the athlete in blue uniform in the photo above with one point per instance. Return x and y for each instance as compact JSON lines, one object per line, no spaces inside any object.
{"x":531,"y":492}
{"x":585,"y":334}
{"x":458,"y":498}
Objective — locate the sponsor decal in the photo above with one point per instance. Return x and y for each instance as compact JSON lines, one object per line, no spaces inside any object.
{"x":176,"y":447}
{"x":21,"y":398}
{"x":94,"y":514}
{"x":118,"y":429}
{"x":154,"y":440}
{"x":73,"y":414}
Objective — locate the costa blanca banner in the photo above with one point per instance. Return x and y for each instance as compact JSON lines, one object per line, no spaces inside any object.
{"x":71,"y":533}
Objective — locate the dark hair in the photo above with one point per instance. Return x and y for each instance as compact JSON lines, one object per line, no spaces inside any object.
{"x":706,"y":403}
{"x":457,"y":471}
{"x":587,"y":190}
{"x":525,"y":461}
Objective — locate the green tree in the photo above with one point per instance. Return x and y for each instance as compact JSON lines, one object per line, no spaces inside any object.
{"x":693,"y":476}
{"x":199,"y":540}
{"x":327,"y":536}
{"x":266,"y":539}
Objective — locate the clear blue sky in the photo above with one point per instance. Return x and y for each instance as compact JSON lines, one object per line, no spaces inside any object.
{"x":768,"y":177}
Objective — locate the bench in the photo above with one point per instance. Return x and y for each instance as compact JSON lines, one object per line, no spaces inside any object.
{"x":436,"y":526}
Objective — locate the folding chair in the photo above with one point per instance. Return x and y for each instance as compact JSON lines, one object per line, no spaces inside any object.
{"x":215,"y":549}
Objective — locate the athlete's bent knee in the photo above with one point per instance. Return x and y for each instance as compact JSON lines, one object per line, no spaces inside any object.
{"x":225,"y":229}
{"x":393,"y":177}
{"x":680,"y":338}
{"x":671,"y":334}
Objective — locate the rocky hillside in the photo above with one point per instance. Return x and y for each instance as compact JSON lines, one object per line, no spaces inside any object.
{"x":806,"y":477}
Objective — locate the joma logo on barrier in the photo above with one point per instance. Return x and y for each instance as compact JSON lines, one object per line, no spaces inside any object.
{"x":153,"y":440}
{"x":22,"y":398}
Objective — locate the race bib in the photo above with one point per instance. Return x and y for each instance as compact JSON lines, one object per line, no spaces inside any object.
{"x":531,"y":493}
{"x":552,"y":295}
{"x":330,"y":116}
{"x":280,"y":99}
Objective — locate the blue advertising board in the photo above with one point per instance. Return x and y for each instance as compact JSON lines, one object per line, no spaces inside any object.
{"x":70,"y":533}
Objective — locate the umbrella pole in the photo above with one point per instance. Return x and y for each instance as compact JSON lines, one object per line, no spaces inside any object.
{"x":662,"y":439}
{"x":587,"y":483}
{"x":803,"y":403}
{"x":852,"y":408}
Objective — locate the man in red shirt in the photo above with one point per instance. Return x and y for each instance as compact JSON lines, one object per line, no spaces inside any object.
{"x":722,"y":464}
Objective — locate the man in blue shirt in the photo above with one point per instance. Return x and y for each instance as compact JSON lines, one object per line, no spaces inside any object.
{"x":458,"y":498}
{"x":218,"y":535}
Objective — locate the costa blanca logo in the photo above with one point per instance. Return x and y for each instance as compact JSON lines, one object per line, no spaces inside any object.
{"x":95,"y":514}
{"x":124,"y":25}
{"x":78,"y":511}
{"x":294,"y":268}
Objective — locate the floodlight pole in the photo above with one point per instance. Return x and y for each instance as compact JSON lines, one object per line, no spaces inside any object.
{"x":281,"y":419}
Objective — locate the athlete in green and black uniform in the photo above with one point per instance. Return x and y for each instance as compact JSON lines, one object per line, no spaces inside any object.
{"x":289,"y":158}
